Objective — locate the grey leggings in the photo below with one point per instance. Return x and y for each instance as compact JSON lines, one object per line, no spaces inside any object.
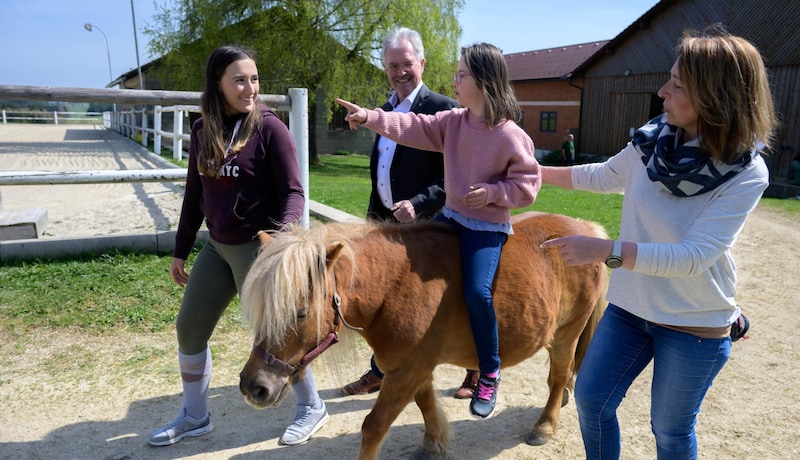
{"x":215,"y":278}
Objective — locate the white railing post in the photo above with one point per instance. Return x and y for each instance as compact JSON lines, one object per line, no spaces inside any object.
{"x":134,"y":124}
{"x":55,"y":117}
{"x":298,"y":126}
{"x":157,"y":129}
{"x":4,"y":117}
{"x":144,"y":126}
{"x":177,"y":130}
{"x":137,"y":125}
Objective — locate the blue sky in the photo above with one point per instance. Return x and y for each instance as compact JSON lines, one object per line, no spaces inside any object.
{"x":44,"y":42}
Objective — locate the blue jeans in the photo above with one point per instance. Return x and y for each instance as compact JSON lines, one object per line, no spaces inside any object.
{"x":684,"y":366}
{"x":480,"y":256}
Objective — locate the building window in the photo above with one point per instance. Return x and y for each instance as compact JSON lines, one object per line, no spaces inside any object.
{"x":547,"y":122}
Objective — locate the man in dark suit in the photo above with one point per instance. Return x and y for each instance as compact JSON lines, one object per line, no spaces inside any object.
{"x":407,"y":183}
{"x":412,"y":180}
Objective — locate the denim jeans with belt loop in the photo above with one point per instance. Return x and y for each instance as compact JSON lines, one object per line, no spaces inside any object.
{"x":684,"y":367}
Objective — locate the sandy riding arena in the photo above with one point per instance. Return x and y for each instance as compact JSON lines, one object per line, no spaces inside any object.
{"x":77,"y":395}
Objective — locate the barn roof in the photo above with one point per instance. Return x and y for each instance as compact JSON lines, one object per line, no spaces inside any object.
{"x":550,"y":63}
{"x":609,"y":48}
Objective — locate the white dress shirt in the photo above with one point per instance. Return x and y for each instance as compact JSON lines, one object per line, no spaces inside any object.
{"x":386,"y":148}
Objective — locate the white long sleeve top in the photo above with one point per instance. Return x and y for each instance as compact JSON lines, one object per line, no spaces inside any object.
{"x":684,"y":274}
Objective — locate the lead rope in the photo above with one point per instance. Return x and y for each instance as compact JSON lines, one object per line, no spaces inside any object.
{"x":337,"y":303}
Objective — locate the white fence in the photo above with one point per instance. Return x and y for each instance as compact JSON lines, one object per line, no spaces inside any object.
{"x":55,"y":117}
{"x":133,"y":123}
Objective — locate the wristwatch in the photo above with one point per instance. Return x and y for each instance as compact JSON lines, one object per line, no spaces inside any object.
{"x":615,"y":259}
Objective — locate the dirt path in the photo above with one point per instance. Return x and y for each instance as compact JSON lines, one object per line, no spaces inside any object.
{"x":74,"y":395}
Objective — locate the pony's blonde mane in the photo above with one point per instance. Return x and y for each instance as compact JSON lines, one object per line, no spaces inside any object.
{"x":289,"y":272}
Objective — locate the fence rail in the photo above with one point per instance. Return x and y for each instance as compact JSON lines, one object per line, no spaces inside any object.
{"x":119,"y":96}
{"x":134,"y":123}
{"x":101,"y":176}
{"x":54,"y":117}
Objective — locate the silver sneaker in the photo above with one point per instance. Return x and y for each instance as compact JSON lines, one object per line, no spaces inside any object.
{"x":307,"y":422}
{"x":180,"y":428}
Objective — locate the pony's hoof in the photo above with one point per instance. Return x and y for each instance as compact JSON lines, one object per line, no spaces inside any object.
{"x":421,"y":454}
{"x":566,"y":396}
{"x":535,"y":439}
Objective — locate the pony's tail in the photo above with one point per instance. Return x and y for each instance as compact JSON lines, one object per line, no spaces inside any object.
{"x":591,"y":324}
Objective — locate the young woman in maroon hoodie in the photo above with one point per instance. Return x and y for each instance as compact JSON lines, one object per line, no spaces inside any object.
{"x":242,"y":178}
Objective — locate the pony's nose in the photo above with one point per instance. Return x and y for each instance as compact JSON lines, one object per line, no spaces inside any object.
{"x":249,"y":387}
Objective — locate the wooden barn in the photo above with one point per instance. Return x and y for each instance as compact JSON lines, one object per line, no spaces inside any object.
{"x":550,"y":101}
{"x":620,"y":81}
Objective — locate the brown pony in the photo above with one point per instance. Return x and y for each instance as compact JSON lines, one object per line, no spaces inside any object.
{"x":400,"y":286}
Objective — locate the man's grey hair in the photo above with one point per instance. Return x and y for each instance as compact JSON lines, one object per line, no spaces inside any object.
{"x":400,"y":35}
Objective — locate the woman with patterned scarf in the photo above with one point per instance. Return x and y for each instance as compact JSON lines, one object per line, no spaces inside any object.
{"x":690,"y":178}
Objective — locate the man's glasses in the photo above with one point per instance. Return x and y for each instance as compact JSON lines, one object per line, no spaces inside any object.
{"x":405,"y":67}
{"x":459,"y":75}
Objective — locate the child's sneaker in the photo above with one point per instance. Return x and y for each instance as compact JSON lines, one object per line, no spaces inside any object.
{"x":183,"y":426}
{"x":485,"y":397}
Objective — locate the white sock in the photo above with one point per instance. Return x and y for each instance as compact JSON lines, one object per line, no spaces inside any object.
{"x":196,"y":376}
{"x":305,"y":391}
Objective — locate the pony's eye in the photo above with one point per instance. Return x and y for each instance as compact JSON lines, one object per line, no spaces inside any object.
{"x":302,"y":312}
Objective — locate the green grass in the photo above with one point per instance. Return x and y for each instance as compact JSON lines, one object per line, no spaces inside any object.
{"x":109,"y":291}
{"x":603,"y":209}
{"x":134,"y":291}
{"x":341,"y":182}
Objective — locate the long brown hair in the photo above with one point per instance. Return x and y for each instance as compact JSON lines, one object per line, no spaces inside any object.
{"x":486,"y":64}
{"x":212,"y":109}
{"x":728,"y":85}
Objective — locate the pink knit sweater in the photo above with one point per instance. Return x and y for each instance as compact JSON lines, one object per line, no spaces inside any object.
{"x":499,"y":159}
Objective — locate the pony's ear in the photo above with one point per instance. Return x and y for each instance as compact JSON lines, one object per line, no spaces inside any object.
{"x":263,"y":237}
{"x":333,"y":252}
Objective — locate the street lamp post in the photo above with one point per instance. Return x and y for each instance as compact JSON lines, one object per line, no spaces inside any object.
{"x":89,"y":27}
{"x":136,"y":42}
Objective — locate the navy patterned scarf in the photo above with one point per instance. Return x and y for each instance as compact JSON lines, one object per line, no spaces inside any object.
{"x":685,"y":170}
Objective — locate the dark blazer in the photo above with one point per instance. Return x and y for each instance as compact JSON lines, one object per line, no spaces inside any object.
{"x":416,"y":175}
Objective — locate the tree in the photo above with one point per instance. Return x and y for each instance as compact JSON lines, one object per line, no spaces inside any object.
{"x":313,"y":44}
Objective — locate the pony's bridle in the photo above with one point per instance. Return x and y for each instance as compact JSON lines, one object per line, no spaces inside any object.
{"x":293,"y":370}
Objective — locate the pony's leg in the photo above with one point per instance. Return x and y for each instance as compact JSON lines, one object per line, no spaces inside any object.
{"x":562,"y":359}
{"x":397,"y":390}
{"x":437,"y":428}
